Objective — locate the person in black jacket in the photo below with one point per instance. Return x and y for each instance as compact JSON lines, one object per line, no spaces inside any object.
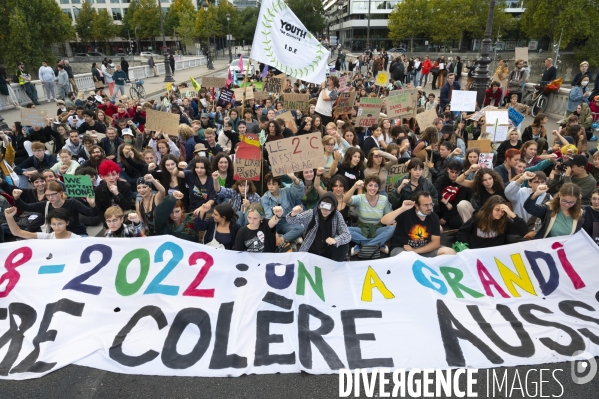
{"x":450,"y":194}
{"x":132,"y":164}
{"x":221,"y":228}
{"x":493,"y":225}
{"x":112,"y":190}
{"x":38,"y":161}
{"x":125,"y":66}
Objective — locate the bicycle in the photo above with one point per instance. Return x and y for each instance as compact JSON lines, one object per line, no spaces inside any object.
{"x":137,"y":90}
{"x":538,"y":100}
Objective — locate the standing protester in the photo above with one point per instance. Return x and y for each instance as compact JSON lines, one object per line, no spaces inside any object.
{"x":125,"y":68}
{"x":46,"y":75}
{"x":328,"y":95}
{"x":119,"y":77}
{"x":69,"y":69}
{"x":63,"y":82}
{"x":25,"y":81}
{"x":152,"y":66}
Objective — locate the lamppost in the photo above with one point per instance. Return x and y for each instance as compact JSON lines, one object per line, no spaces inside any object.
{"x":368,"y":28}
{"x":339,"y":8}
{"x":167,"y":66}
{"x":208,"y":60}
{"x":137,"y":40}
{"x":229,"y":38}
{"x":482,"y":72}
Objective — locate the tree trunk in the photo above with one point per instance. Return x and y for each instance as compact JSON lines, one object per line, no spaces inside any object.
{"x":412,"y":44}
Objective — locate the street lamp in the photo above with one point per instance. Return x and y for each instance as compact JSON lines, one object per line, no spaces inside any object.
{"x":482,"y":72}
{"x":368,"y":29}
{"x":340,"y":7}
{"x":137,"y":40}
{"x":229,"y":38}
{"x":208,"y":60}
{"x":167,"y":66}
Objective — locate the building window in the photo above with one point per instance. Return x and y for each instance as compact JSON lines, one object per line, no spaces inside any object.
{"x":68,"y":12}
{"x":115,"y":1}
{"x":89,"y":1}
{"x":164,"y":10}
{"x":75,"y":1}
{"x":64,"y":2}
{"x":126,"y":1}
{"x":76,"y":12}
{"x":116,"y":14}
{"x":101,"y":1}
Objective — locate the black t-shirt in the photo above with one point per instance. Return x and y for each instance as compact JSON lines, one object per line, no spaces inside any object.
{"x":351,"y":174}
{"x":413,"y":231}
{"x":591,"y":223}
{"x":261,"y":240}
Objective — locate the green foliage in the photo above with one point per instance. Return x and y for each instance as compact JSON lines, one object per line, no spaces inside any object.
{"x":409,"y":19}
{"x":84,"y":22}
{"x":29,"y":29}
{"x":173,"y":16}
{"x":103,"y":28}
{"x":214,"y":29}
{"x":143,"y":14}
{"x":311,"y":13}
{"x":186,"y":28}
{"x":243,"y":24}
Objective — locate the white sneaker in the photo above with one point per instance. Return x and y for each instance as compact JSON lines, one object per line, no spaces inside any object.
{"x":355,"y":250}
{"x":49,"y":100}
{"x":385,"y":249}
{"x":53,"y":99}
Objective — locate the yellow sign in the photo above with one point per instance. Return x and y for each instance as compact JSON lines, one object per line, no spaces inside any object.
{"x":382,"y":78}
{"x":168,"y":86}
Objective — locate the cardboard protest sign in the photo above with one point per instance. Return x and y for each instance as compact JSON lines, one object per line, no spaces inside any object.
{"x":248,"y":158}
{"x":165,"y":121}
{"x":273,"y":85}
{"x":261,"y":95}
{"x":485,"y":159}
{"x":521,"y":53}
{"x":426,"y":118}
{"x":288,"y":118}
{"x":482,"y":145}
{"x":345,"y":103}
{"x":515,"y":116}
{"x":295,"y":154}
{"x":364,"y":70}
{"x":463,"y":100}
{"x":369,"y":111}
{"x":497,"y":124}
{"x":382,"y":78}
{"x":293,"y":101}
{"x":78,"y":186}
{"x":521,"y":304}
{"x":401,"y":103}
{"x":225,"y":97}
{"x":497,"y":133}
{"x":396,"y":173}
{"x":211,"y":81}
{"x":33,"y":117}
{"x":344,"y":84}
{"x":249,"y":93}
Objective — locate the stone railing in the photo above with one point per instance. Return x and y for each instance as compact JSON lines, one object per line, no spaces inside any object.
{"x":85,"y":81}
{"x":558,"y":100}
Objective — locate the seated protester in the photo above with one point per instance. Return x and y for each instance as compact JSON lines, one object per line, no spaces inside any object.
{"x":93,"y":175}
{"x":379,"y":162}
{"x":228,"y":138}
{"x":110,"y":144}
{"x":35,"y":163}
{"x":146,"y":206}
{"x":287,"y":198}
{"x":28,"y":195}
{"x":447,"y":153}
{"x":447,"y":134}
{"x":132,"y":164}
{"x":486,"y":183}
{"x":517,"y":195}
{"x":187,"y":142}
{"x":591,"y":217}
{"x":492,"y":225}
{"x":58,"y":220}
{"x":212,"y":147}
{"x":221,"y":228}
{"x":199,"y":183}
{"x":561,"y":216}
{"x":494,"y":94}
{"x":259,"y":235}
{"x":222,"y":165}
{"x":326,"y":233}
{"x":240,"y":196}
{"x":506,"y":170}
{"x":66,"y":166}
{"x":538,"y":133}
{"x":205,"y":123}
{"x":49,"y":176}
{"x":513,"y":142}
{"x":162,"y":145}
{"x":56,"y":198}
{"x":595,"y":166}
{"x":450,"y":194}
{"x":338,"y":186}
{"x":90,"y":124}
{"x":112,"y":191}
{"x":115,"y":217}
{"x":575,"y":173}
{"x":96,"y":156}
{"x":170,"y":218}
{"x":416,"y":228}
{"x":311,"y":194}
{"x":412,"y":183}
{"x":371,"y":208}
{"x":377,"y":140}
{"x":74,"y":144}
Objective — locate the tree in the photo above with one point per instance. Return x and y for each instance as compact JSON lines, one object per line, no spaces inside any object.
{"x":84,"y":22}
{"x":409,"y":19}
{"x":214,"y":27}
{"x":174,"y":13}
{"x":311,"y":13}
{"x":103,"y":28}
{"x":146,"y":18}
{"x":30,"y":28}
{"x":186,"y":29}
{"x":243,"y":24}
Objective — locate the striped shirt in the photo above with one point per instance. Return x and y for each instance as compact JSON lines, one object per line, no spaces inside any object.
{"x":368,"y":213}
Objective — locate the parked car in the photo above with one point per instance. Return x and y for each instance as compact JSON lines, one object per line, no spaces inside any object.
{"x":397,"y":50}
{"x":95,"y":54}
{"x":148,"y":54}
{"x":81,"y":55}
{"x":235,"y":67}
{"x":121,"y":55}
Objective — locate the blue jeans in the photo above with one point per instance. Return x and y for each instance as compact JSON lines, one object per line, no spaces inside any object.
{"x":425,"y":77}
{"x":416,"y":78}
{"x":289,"y":231}
{"x":118,"y":88}
{"x":381,"y":236}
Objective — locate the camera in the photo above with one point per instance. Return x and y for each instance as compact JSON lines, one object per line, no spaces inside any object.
{"x":559,"y":166}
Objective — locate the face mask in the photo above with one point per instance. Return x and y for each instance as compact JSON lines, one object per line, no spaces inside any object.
{"x":586,"y":82}
{"x":422,"y":215}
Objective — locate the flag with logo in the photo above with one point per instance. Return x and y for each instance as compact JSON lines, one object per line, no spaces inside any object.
{"x":284,"y":43}
{"x":196,"y":85}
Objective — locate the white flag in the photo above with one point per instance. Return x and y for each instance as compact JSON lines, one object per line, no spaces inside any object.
{"x":283,"y":42}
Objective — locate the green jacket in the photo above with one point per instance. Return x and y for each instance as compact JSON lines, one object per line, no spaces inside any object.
{"x":164,"y":225}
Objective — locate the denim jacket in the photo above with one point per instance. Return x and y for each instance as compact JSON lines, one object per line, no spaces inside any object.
{"x":288,"y":198}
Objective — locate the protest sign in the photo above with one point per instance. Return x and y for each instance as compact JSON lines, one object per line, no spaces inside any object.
{"x":295,"y":154}
{"x":498,"y":133}
{"x":399,"y":104}
{"x":482,"y":145}
{"x":485,"y":160}
{"x":261,"y":95}
{"x":211,"y":81}
{"x":293,"y":101}
{"x":515,"y":116}
{"x":247,"y":169}
{"x":225,"y":97}
{"x":345,"y":103}
{"x":33,"y":117}
{"x":288,"y":118}
{"x":396,"y":173}
{"x":344,"y":84}
{"x":166,"y":306}
{"x":165,"y":121}
{"x":369,"y":111}
{"x":521,"y":53}
{"x":497,"y":124}
{"x":78,"y":186}
{"x":426,"y":118}
{"x":382,"y":78}
{"x":249,"y":93}
{"x":463,"y":100}
{"x":364,"y":70}
{"x":248,"y":158}
{"x":273,"y":85}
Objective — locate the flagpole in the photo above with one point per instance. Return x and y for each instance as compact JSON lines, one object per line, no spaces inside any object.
{"x":245,"y":82}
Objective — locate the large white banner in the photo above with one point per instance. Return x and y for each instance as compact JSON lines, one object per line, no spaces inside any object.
{"x":163,"y":306}
{"x":283,"y":42}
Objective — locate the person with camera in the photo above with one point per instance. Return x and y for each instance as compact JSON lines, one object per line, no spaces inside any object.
{"x":573,"y":170}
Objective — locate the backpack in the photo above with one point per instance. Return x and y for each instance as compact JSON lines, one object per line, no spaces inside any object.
{"x":369,"y":252}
